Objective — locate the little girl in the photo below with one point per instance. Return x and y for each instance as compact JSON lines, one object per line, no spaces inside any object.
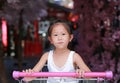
{"x":61,"y":58}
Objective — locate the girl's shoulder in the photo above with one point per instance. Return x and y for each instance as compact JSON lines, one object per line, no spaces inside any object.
{"x":77,"y":56}
{"x":75,"y":53}
{"x":45,"y":54}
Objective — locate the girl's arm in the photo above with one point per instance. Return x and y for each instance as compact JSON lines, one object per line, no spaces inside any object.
{"x":38,"y":67}
{"x":80,"y":63}
{"x":82,"y":66}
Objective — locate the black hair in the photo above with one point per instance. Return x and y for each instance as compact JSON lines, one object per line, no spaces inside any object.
{"x":57,"y":22}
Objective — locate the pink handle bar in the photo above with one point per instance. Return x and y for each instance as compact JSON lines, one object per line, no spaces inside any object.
{"x":108,"y":74}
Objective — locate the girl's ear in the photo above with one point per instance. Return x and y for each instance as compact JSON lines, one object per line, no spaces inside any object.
{"x":71,"y":37}
{"x":49,"y":38}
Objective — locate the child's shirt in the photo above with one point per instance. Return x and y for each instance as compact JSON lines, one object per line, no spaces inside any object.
{"x":68,"y":67}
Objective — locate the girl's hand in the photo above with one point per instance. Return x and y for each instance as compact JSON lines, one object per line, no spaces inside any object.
{"x":80,"y":72}
{"x":28,"y":71}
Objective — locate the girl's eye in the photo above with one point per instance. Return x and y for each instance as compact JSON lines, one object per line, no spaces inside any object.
{"x":63,"y":34}
{"x":55,"y":35}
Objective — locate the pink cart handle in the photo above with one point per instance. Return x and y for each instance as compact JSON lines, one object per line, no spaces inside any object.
{"x":108,"y":74}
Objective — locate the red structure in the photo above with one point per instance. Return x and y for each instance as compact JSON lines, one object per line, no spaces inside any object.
{"x":33,"y":48}
{"x":4,"y":33}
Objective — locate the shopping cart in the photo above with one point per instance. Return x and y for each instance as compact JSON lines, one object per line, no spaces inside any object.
{"x":64,"y":77}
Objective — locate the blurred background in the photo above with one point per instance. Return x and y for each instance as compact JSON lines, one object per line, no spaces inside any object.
{"x":23,"y":38}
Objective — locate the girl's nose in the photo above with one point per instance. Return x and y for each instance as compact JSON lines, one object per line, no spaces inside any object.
{"x":59,"y":37}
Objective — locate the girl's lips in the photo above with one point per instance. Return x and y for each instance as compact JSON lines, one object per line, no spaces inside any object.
{"x":60,"y":42}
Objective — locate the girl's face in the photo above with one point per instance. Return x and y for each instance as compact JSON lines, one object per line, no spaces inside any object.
{"x":60,"y":37}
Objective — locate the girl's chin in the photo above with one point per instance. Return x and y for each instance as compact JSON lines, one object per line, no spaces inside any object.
{"x":61,"y":48}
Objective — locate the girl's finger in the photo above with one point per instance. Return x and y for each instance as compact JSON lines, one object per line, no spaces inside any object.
{"x":23,"y":70}
{"x":82,"y":73}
